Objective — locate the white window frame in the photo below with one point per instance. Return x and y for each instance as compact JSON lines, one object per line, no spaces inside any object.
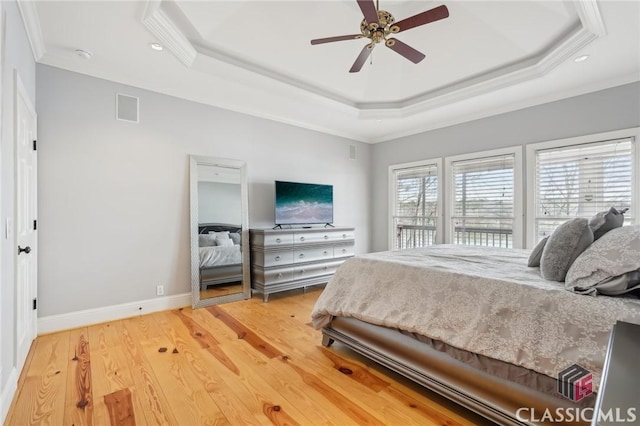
{"x":392,"y":197}
{"x":532,"y":149}
{"x":518,"y":211}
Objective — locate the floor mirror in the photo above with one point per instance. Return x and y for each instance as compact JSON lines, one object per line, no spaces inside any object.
{"x":219,"y":231}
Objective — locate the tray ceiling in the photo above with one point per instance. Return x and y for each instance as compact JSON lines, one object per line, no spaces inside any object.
{"x":255,"y":57}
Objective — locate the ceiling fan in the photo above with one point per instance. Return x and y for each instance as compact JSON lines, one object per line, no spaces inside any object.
{"x":378,"y":24}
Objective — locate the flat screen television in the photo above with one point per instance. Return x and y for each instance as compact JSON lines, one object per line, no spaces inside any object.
{"x":303,"y":203}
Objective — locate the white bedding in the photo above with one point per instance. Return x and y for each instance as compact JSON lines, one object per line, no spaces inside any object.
{"x":219,"y":256}
{"x":482,"y":300}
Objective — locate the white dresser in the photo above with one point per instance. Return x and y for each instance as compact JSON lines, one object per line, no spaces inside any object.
{"x":284,"y":259}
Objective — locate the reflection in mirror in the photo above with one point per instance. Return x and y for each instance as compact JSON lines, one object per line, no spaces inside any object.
{"x":219,"y":258}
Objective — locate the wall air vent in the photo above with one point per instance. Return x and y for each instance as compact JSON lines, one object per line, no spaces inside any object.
{"x":352,"y":152}
{"x":127,"y":108}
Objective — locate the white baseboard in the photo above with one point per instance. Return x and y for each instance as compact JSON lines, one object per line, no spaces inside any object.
{"x":8,"y":391}
{"x":76,"y":319}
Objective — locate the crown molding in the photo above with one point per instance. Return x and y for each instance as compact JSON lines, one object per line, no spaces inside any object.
{"x":590,"y":28}
{"x":269,"y":73}
{"x":31,"y":22}
{"x":167,"y":33}
{"x":590,"y":16}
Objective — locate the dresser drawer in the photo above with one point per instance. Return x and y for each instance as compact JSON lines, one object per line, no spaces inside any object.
{"x":327,"y":236}
{"x":342,"y":235}
{"x":344,"y":250}
{"x":317,"y":270}
{"x":275,"y":276}
{"x":312,"y":254}
{"x":269,"y":259}
{"x":275,"y":240}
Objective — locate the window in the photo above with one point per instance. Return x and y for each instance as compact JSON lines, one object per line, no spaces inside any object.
{"x":484,"y":200}
{"x":581,"y":179}
{"x":414,"y":204}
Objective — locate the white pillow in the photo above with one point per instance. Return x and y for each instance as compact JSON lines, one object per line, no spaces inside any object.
{"x":224,"y":242}
{"x":223,"y":235}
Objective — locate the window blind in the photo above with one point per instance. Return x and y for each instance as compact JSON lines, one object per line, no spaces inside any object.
{"x":483,"y":201}
{"x":582,"y":180}
{"x":416,"y":206}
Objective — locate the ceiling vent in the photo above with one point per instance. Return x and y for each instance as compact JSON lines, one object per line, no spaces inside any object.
{"x":127,"y":108}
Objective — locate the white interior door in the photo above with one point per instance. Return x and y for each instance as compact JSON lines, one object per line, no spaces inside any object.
{"x":25,"y":223}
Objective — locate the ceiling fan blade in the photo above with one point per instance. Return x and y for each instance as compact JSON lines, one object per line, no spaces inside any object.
{"x":337,"y":38}
{"x":431,"y":15}
{"x":362,"y":58}
{"x":405,"y":50}
{"x":369,"y":11}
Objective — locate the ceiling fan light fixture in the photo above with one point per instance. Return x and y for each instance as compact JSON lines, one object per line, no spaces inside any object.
{"x":378,"y":24}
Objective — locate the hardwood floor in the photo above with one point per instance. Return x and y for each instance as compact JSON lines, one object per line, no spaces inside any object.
{"x":235,"y":364}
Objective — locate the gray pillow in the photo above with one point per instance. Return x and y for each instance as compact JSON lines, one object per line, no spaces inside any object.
{"x":536,"y":253}
{"x":235,"y":237}
{"x":604,"y":222}
{"x":206,"y":240}
{"x":610,"y":266}
{"x":563,"y":247}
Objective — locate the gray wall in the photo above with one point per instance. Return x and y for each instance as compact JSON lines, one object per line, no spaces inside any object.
{"x":114,"y":196}
{"x":612,"y":109}
{"x":18,"y":57}
{"x":219,"y":203}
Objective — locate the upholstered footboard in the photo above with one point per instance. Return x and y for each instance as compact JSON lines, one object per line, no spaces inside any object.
{"x":220,"y":275}
{"x":495,"y":398}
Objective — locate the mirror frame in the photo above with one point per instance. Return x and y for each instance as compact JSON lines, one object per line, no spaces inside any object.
{"x":194,"y":162}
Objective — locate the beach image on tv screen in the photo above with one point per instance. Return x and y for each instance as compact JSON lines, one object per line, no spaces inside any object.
{"x":303,"y":203}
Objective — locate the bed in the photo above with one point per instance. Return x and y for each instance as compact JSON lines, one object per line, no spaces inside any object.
{"x":473,"y":324}
{"x":219,"y":264}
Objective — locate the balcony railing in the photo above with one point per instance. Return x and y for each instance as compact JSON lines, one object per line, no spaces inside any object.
{"x":412,"y":236}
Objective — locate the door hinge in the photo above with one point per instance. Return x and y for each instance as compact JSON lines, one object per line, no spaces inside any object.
{"x":35,"y":224}
{"x":35,"y":304}
{"x":34,"y":145}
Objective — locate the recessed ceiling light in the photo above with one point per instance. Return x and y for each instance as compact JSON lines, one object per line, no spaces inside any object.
{"x":581,"y":58}
{"x":84,"y":54}
{"x":157,"y":46}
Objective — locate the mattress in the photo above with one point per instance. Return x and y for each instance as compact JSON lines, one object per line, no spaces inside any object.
{"x":220,"y":256}
{"x":484,"y":301}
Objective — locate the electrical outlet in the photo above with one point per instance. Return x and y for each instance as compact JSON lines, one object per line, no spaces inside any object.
{"x":160,"y":290}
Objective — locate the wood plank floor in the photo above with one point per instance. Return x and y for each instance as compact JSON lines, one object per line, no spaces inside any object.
{"x":241,"y":363}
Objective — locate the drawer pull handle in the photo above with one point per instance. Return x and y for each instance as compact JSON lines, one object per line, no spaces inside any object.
{"x":325,"y":252}
{"x":279,"y":275}
{"x":344,"y":235}
{"x":326,"y":237}
{"x":344,"y":250}
{"x":277,"y":258}
{"x":326,"y":267}
{"x":301,"y":238}
{"x":302,"y":271}
{"x":278,"y":240}
{"x":301,"y":255}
